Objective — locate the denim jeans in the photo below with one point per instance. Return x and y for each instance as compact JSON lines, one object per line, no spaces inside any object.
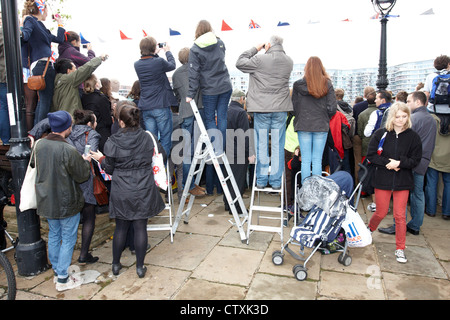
{"x":216,"y":105}
{"x":312,"y":145}
{"x":62,"y":237}
{"x":159,"y":122}
{"x":5,"y":130}
{"x":275,"y":122}
{"x":431,"y":192}
{"x":417,"y":203}
{"x":45,"y":96}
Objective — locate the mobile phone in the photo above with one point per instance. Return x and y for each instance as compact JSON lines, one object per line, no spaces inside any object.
{"x":87,"y":150}
{"x":161,"y":45}
{"x":55,"y":16}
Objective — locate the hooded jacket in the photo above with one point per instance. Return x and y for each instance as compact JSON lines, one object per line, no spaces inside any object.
{"x":268,"y":89}
{"x":312,"y":114}
{"x":134,"y":194}
{"x":77,"y":138}
{"x":60,"y":170}
{"x":207,"y":69}
{"x":68,"y":51}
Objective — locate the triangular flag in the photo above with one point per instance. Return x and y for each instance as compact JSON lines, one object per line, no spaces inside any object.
{"x":313,"y":22}
{"x":123,"y":36}
{"x":145,"y":33}
{"x":83,"y":40}
{"x":392,"y":16}
{"x":174,"y":32}
{"x":225,"y":26}
{"x":282,"y":24}
{"x":428,"y":12}
{"x":253,"y":25}
{"x":346,"y":20}
{"x":376,"y":16}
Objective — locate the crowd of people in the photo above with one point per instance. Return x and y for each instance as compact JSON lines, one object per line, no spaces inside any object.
{"x":307,"y":128}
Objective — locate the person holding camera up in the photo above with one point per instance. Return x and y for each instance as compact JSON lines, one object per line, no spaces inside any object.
{"x":156,"y":93}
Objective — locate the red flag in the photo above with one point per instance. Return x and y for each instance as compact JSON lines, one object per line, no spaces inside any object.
{"x":123,"y":36}
{"x":253,"y":25}
{"x":225,"y":26}
{"x":346,"y":20}
{"x":145,"y":33}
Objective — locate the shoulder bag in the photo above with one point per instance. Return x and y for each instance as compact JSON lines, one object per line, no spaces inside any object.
{"x":28,"y":191}
{"x":159,"y":170}
{"x":37,"y":83}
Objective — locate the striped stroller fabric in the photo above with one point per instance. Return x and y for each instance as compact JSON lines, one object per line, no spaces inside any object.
{"x":312,"y":228}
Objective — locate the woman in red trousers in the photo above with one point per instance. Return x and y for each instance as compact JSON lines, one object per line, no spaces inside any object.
{"x":394,"y":151}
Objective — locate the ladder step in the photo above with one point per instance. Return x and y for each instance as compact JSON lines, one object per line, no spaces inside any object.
{"x":152,"y":227}
{"x":267,"y":189}
{"x":266,"y":209}
{"x":264,"y":228}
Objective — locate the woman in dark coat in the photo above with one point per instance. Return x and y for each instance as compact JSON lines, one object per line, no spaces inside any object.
{"x":134,"y":195}
{"x":394,"y":151}
{"x":83,"y":133}
{"x":93,"y":99}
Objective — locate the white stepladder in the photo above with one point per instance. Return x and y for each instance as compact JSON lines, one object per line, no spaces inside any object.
{"x":256,"y":226}
{"x":201,"y":156}
{"x":165,"y":226}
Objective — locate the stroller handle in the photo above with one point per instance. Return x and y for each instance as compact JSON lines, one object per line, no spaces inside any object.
{"x":365,"y":171}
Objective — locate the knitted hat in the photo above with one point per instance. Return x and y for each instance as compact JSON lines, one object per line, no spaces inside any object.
{"x":59,"y":121}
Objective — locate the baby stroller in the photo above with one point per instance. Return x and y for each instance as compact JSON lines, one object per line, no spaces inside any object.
{"x":327,"y":199}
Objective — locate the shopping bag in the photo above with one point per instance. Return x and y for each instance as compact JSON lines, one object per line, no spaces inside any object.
{"x":100,"y":190}
{"x":159,"y":170}
{"x":357,"y":233}
{"x":28,"y":191}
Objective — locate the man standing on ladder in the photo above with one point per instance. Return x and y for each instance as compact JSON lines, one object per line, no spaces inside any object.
{"x":269,"y":99}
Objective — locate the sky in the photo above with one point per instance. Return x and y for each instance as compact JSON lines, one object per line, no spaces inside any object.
{"x":340,"y":44}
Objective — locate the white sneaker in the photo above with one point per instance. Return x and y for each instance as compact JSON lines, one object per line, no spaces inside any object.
{"x":372,"y":207}
{"x":400,"y":255}
{"x":72,"y":282}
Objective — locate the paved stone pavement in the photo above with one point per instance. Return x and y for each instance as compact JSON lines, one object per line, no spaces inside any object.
{"x":208,"y":261}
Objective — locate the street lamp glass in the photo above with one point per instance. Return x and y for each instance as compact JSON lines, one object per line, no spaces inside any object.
{"x":385,"y":6}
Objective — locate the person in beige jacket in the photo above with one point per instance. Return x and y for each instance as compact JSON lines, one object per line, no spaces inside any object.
{"x":268,"y":98}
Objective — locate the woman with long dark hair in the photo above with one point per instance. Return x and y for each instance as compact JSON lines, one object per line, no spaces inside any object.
{"x":315,"y":104}
{"x":134,"y":195}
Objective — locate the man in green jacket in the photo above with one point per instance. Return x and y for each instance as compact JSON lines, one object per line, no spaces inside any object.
{"x":66,"y":95}
{"x":60,"y":170}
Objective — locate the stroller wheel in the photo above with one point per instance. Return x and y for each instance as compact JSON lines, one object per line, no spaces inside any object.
{"x":300,"y":272}
{"x":277,"y":258}
{"x":346,"y":260}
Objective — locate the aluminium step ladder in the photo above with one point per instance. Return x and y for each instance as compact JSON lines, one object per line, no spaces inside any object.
{"x":258,"y":208}
{"x":201,"y":156}
{"x":165,"y":226}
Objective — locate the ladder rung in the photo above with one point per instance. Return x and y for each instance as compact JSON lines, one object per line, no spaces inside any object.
{"x":267,"y":189}
{"x":267,"y":209}
{"x":265,"y":228}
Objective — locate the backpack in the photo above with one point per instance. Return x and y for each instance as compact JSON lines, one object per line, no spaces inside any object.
{"x":440,"y":90}
{"x":350,"y":119}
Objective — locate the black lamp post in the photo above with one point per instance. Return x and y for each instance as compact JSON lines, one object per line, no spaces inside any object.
{"x":31,"y":251}
{"x":383,"y":7}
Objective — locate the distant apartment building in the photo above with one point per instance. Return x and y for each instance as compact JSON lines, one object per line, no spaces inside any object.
{"x":404,"y":76}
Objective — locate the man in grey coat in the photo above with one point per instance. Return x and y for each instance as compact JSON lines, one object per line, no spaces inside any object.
{"x":269,"y":99}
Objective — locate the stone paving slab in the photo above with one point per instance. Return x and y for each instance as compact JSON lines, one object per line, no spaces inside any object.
{"x":346,"y":286}
{"x":421,"y":261}
{"x":197,"y":289}
{"x":186,"y":252}
{"x":407,"y":287}
{"x":159,"y":284}
{"x":272,"y":287}
{"x":229,"y":265}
